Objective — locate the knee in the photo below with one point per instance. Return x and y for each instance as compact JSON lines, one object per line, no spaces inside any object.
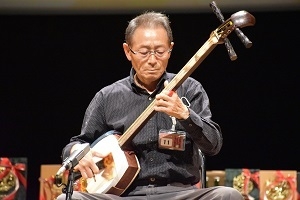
{"x":75,"y":195}
{"x":230,"y":193}
{"x":61,"y":197}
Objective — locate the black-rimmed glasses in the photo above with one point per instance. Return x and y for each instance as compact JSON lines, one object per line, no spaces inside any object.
{"x":147,"y":53}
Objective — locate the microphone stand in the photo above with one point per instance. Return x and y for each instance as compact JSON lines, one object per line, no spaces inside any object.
{"x":68,"y":187}
{"x":69,"y":164}
{"x":68,"y":190}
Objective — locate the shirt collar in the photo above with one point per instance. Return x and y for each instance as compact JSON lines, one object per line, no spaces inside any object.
{"x":159,"y":86}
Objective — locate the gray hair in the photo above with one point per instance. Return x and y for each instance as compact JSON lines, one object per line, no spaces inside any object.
{"x":148,"y":19}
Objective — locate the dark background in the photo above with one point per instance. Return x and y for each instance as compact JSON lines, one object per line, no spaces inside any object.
{"x":52,"y":65}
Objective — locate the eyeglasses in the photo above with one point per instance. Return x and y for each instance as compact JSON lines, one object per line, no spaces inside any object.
{"x":147,"y":53}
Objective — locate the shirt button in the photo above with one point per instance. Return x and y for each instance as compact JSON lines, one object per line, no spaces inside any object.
{"x":190,"y":125}
{"x":149,"y":98}
{"x":152,"y":179}
{"x":151,"y":159}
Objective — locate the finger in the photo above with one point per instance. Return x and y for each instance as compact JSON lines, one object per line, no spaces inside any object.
{"x":89,"y":172}
{"x":171,"y":92}
{"x":103,"y":154}
{"x":83,"y":173}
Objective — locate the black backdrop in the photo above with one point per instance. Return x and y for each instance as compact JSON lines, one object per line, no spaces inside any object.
{"x":52,"y":65}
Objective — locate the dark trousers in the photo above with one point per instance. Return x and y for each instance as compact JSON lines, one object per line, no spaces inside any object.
{"x":169,"y":192}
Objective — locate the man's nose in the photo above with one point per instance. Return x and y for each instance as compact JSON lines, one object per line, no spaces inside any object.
{"x":152,"y":55}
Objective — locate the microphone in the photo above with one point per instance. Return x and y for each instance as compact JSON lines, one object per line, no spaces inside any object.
{"x":74,"y":158}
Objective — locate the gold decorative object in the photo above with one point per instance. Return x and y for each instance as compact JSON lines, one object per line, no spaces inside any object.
{"x":239,"y":183}
{"x":11,"y":177}
{"x":8,"y":182}
{"x":278,"y":191}
{"x":280,"y":188}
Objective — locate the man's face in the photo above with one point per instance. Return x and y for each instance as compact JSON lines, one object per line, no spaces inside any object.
{"x":149,"y":66}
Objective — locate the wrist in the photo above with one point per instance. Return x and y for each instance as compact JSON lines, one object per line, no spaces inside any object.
{"x":185,"y":114}
{"x":74,"y":147}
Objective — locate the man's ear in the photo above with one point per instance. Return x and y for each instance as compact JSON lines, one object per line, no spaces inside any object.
{"x":127,"y":51}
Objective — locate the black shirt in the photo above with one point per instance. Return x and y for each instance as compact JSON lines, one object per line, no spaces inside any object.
{"x":117,"y":106}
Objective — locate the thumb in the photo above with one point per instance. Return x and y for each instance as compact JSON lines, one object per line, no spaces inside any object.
{"x":101,"y":154}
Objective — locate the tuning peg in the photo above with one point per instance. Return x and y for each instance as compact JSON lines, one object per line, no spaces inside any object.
{"x":244,"y":39}
{"x":247,"y":43}
{"x":230,"y":50}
